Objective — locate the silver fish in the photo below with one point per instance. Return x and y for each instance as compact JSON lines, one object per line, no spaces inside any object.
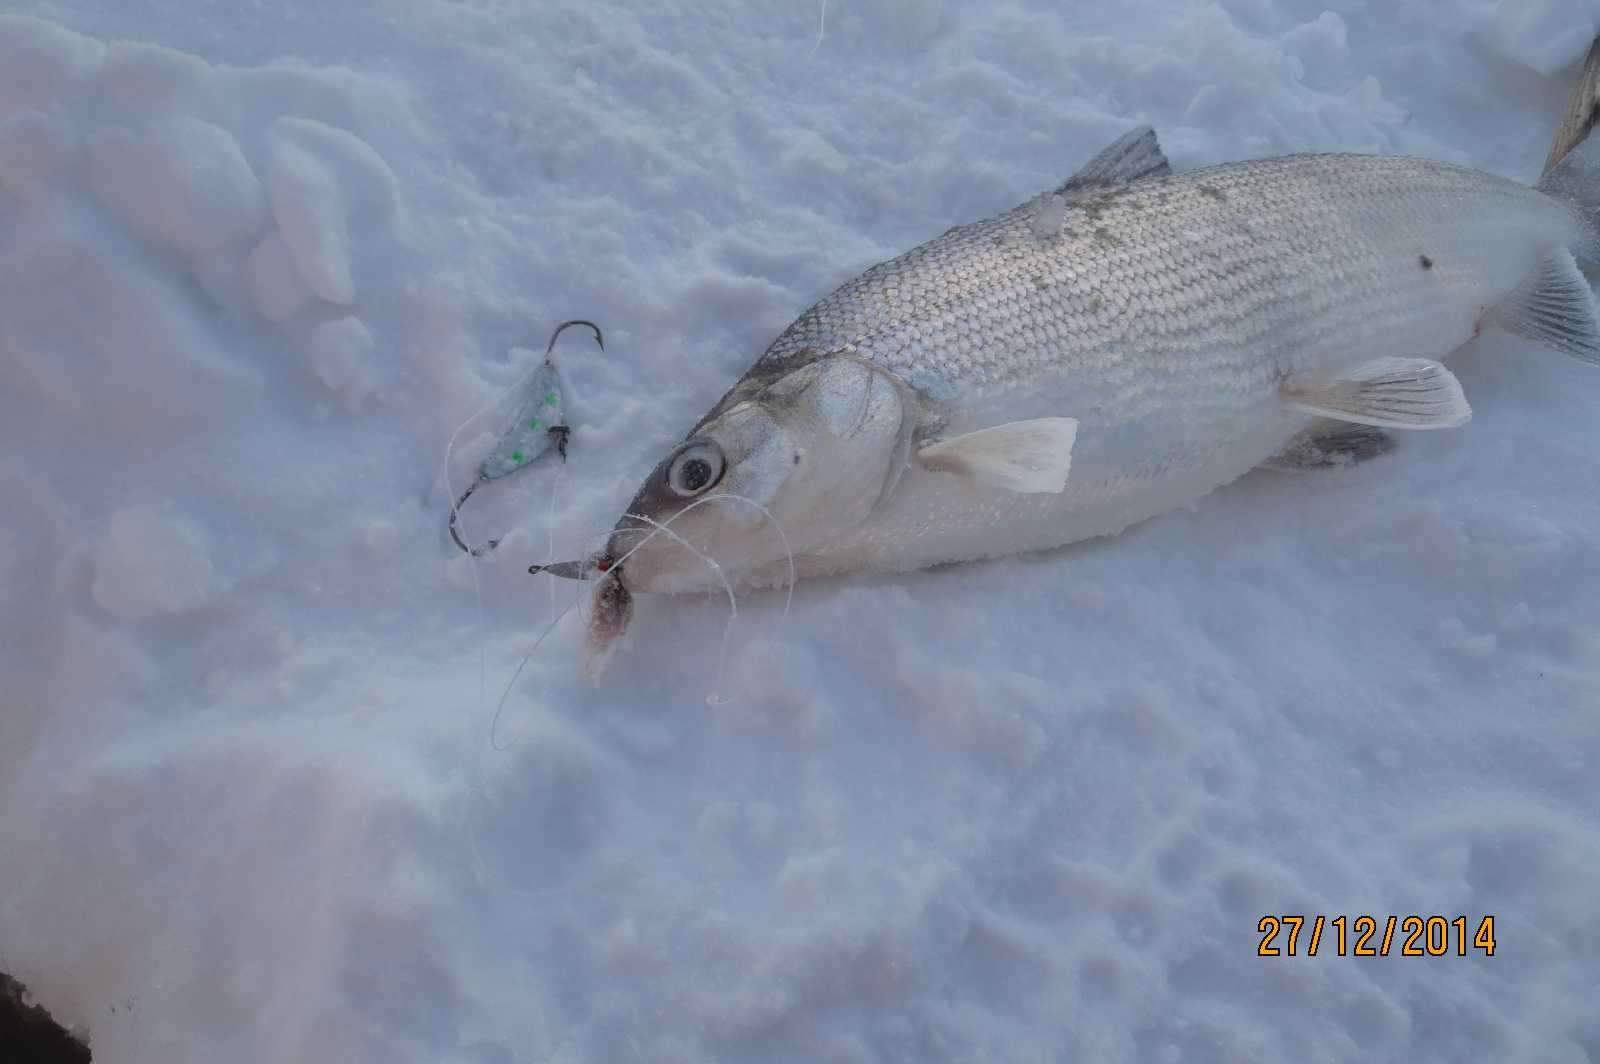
{"x":1105,"y":352}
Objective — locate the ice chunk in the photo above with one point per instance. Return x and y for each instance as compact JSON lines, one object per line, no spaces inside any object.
{"x":274,"y":283}
{"x":40,"y":62}
{"x":305,"y":204}
{"x":339,"y":352}
{"x":34,"y":148}
{"x":366,"y":184}
{"x":181,"y":181}
{"x":152,"y":564}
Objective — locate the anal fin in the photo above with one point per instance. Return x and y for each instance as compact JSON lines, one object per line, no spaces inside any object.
{"x":1390,"y":393}
{"x":1555,"y":307}
{"x":1330,"y":445}
{"x":1027,"y":457}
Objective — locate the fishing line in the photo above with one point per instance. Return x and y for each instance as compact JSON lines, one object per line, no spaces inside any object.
{"x":550,"y":525}
{"x":788,"y":551}
{"x":715,"y":697}
{"x":540,"y":418}
{"x":822,"y":24}
{"x":731,"y":497}
{"x":494,"y":722}
{"x":480,"y":865}
{"x":519,"y":446}
{"x":477,"y":588}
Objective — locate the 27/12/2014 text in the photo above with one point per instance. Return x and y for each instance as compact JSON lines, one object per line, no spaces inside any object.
{"x":1419,"y":936}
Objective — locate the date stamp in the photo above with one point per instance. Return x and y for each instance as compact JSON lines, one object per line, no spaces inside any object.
{"x":1418,"y":936}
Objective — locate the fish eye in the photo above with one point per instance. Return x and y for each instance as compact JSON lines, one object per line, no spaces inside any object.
{"x":697,"y":467}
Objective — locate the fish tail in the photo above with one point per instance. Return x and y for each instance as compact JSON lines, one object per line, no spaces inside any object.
{"x":1554,"y":305}
{"x":1582,"y":111}
{"x":1572,"y":169}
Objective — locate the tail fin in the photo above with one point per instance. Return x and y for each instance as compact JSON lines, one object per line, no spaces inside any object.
{"x":1572,"y":172}
{"x":1554,"y":304}
{"x":1582,"y":112}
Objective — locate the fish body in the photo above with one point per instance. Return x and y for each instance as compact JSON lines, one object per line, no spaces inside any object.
{"x":1105,"y":352}
{"x":1165,"y":315}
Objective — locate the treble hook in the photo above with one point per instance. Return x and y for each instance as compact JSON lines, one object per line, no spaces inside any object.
{"x":556,"y":434}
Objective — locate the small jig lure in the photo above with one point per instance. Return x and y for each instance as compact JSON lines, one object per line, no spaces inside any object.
{"x":540,"y":423}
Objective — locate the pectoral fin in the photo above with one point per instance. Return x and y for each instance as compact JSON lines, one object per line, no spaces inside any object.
{"x":1027,"y":457}
{"x":1391,"y":393}
{"x":1555,"y":307}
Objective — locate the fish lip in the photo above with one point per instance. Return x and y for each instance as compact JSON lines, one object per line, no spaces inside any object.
{"x":627,"y":525}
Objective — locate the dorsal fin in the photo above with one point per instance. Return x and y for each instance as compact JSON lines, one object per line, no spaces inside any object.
{"x":1133,"y":155}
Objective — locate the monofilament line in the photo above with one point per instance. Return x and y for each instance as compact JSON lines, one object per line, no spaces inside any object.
{"x":716,"y":697}
{"x":822,"y":24}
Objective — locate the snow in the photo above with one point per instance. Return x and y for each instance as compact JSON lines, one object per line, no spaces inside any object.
{"x":258,"y":263}
{"x":1542,"y":37}
{"x":305,"y":203}
{"x":340,"y":352}
{"x":277,"y":285}
{"x":180,"y":181}
{"x":151,"y":564}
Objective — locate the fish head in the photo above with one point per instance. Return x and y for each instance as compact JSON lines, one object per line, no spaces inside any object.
{"x":807,"y":449}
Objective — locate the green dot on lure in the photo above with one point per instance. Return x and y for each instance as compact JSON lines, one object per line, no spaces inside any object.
{"x":527,"y":436}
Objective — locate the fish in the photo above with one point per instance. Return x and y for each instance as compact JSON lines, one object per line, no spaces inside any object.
{"x":1113,"y":348}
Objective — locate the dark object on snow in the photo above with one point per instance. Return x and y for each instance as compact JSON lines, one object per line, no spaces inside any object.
{"x":29,"y":1036}
{"x":540,"y":423}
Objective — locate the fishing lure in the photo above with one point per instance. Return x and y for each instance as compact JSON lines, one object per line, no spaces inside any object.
{"x":539,"y":423}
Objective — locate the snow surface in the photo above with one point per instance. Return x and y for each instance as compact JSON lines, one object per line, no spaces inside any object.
{"x":257,"y":266}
